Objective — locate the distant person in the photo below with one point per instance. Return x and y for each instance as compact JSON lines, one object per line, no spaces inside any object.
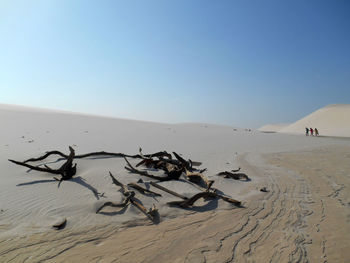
{"x":311,"y":132}
{"x":316,"y":132}
{"x":306,"y":131}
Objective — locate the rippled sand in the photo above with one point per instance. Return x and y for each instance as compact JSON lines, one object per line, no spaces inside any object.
{"x":303,"y":218}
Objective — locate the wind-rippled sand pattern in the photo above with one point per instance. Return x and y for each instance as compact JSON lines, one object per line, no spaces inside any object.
{"x":303,"y":218}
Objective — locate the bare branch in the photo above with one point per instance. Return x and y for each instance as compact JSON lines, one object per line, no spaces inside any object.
{"x":189,"y":202}
{"x":168,"y":191}
{"x":142,"y":190}
{"x":235,"y":176}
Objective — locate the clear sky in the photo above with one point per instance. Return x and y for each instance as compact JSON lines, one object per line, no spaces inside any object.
{"x":243,"y":63}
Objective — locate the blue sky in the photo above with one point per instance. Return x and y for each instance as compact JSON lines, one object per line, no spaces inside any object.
{"x":241,"y":63}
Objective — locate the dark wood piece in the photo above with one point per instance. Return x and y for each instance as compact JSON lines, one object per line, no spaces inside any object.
{"x":234,"y":175}
{"x":142,"y":190}
{"x":189,"y":202}
{"x":173,"y":175}
{"x":67,"y":170}
{"x":197,"y":178}
{"x":168,"y":191}
{"x":152,"y":213}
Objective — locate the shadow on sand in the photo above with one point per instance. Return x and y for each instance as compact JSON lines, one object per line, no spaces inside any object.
{"x":77,"y":180}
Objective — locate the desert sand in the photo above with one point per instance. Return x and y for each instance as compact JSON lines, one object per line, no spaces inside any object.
{"x":303,"y":216}
{"x":331,"y":120}
{"x":273,"y":127}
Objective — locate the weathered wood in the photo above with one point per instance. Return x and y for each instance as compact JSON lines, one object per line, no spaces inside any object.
{"x":196,"y":177}
{"x":168,"y":190}
{"x":46,"y":155}
{"x":36,"y":168}
{"x":229,"y":200}
{"x":67,"y":170}
{"x":173,"y":175}
{"x":189,"y":202}
{"x":131,"y":169}
{"x":125,"y":189}
{"x":122,"y":155}
{"x":101,"y":153}
{"x":125,"y":203}
{"x":235,"y":176}
{"x":152,"y":213}
{"x":194,"y":163}
{"x":185,"y":163}
{"x":264,"y":189}
{"x":142,"y":190}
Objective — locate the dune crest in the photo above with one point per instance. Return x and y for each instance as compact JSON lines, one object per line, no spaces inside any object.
{"x":273,"y":127}
{"x":331,"y":120}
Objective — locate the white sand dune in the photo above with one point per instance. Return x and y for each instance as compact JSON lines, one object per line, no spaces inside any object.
{"x":31,"y":202}
{"x":332,"y":120}
{"x":273,"y":127}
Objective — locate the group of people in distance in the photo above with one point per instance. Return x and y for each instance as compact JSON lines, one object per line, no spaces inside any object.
{"x":312,"y":131}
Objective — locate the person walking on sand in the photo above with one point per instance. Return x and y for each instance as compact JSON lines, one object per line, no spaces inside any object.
{"x":316,"y":132}
{"x":311,"y":132}
{"x":306,"y":131}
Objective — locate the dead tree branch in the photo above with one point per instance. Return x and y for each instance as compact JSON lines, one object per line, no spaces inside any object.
{"x":168,"y":191}
{"x":234,"y":175}
{"x":172,"y":175}
{"x":142,"y":190}
{"x":189,"y":202}
{"x":67,"y":170}
{"x":196,"y":177}
{"x":152,"y":213}
{"x":101,"y":153}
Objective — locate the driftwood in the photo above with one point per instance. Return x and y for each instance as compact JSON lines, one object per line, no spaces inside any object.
{"x":142,"y":190}
{"x":190,"y":201}
{"x":187,"y":202}
{"x":67,"y":170}
{"x":234,"y":175}
{"x":172,"y":175}
{"x":149,"y":163}
{"x":45,"y":156}
{"x":173,"y":169}
{"x":264,"y":189}
{"x":197,"y":177}
{"x":123,"y":204}
{"x":167,"y":190}
{"x":152,"y":213}
{"x":101,"y":153}
{"x":185,"y":163}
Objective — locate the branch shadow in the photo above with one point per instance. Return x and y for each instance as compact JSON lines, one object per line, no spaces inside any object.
{"x":148,"y":187}
{"x":37,"y":182}
{"x":77,"y":180}
{"x":83,"y":183}
{"x":119,"y":212}
{"x":212,"y":204}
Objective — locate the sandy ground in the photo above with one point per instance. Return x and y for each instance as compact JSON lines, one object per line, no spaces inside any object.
{"x":305,"y":217}
{"x":331,"y":120}
{"x":273,"y":127}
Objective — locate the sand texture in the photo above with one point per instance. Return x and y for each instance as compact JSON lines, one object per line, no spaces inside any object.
{"x":273,"y":127}
{"x":332,"y":120}
{"x":304,"y":216}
